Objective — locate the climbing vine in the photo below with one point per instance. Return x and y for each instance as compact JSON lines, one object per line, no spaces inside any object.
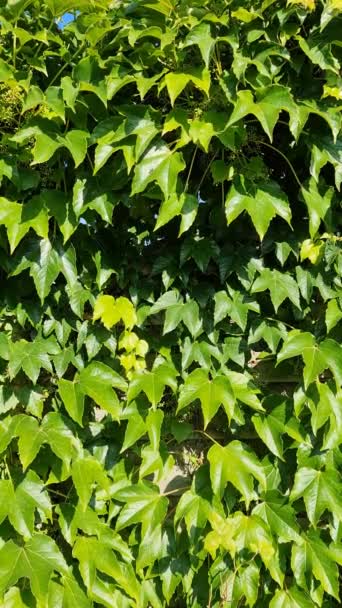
{"x":170,"y":303}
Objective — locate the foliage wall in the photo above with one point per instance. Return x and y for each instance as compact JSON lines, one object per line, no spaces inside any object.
{"x":171,"y":266}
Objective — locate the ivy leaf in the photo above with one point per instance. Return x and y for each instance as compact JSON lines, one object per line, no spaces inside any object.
{"x":161,"y":165}
{"x":18,"y":220}
{"x":312,"y":556}
{"x":200,"y":35}
{"x":92,"y":556}
{"x":318,"y":205}
{"x":237,"y":464}
{"x":97,"y":380}
{"x":279,"y":516}
{"x":111,"y":311}
{"x":52,"y":431}
{"x":262,"y":202}
{"x":31,"y":357}
{"x":211,"y":393}
{"x":153,"y":383}
{"x":142,"y":504}
{"x":277,"y":422}
{"x":85,"y":472}
{"x":270,"y":102}
{"x":45,"y":268}
{"x":36,"y":560}
{"x":281,"y":286}
{"x":21,"y":500}
{"x":73,"y":399}
{"x":236,"y":306}
{"x":317,"y":357}
{"x":320,"y":490}
{"x":291,"y":598}
{"x":176,"y":82}
{"x":333,"y":314}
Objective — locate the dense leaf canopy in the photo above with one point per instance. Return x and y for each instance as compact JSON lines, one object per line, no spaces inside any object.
{"x":171,"y":303}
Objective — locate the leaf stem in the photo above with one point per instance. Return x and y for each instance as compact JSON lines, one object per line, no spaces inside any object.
{"x":206,"y":172}
{"x":61,"y":70}
{"x":190,"y":169}
{"x":206,"y":435}
{"x":264,"y":143}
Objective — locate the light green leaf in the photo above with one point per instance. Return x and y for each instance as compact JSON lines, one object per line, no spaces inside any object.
{"x":281,"y":286}
{"x":211,"y":392}
{"x":313,"y":557}
{"x":111,"y":311}
{"x":85,"y":473}
{"x":262,"y":203}
{"x":73,"y":399}
{"x":237,"y":464}
{"x":200,"y":35}
{"x":291,"y":598}
{"x":279,"y":516}
{"x":45,"y":268}
{"x":153,"y":383}
{"x":275,"y":423}
{"x":142,"y":504}
{"x":317,"y":204}
{"x":36,"y":560}
{"x":76,"y":142}
{"x":333,"y":314}
{"x":159,"y":165}
{"x":320,"y":490}
{"x":97,"y":380}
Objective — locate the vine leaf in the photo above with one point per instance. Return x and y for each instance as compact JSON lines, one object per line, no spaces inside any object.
{"x":262,"y":202}
{"x":280,"y":285}
{"x":20,"y":501}
{"x":153,"y":383}
{"x":313,"y":557}
{"x":237,"y":464}
{"x":320,"y":491}
{"x":36,"y":560}
{"x":159,"y":165}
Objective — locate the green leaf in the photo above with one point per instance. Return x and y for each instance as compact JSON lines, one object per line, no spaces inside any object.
{"x":237,"y":464}
{"x":111,"y":311}
{"x":159,"y":165}
{"x":36,"y":560}
{"x":235,"y":305}
{"x":176,"y":82}
{"x":320,"y":490}
{"x":44,"y":148}
{"x":18,"y":220}
{"x":97,"y":380}
{"x":153,"y":383}
{"x":200,"y":35}
{"x":20,"y":501}
{"x":277,"y":422}
{"x":291,"y":598}
{"x":280,"y":285}
{"x":317,"y":357}
{"x":85,"y":473}
{"x":92,"y":556}
{"x":211,"y":393}
{"x":279,"y":516}
{"x":31,"y":357}
{"x":318,"y":205}
{"x":313,"y":557}
{"x":73,"y":399}
{"x":45,"y":268}
{"x":270,"y":102}
{"x":142,"y":504}
{"x":333,"y":314}
{"x":262,"y":203}
{"x":76,"y":142}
